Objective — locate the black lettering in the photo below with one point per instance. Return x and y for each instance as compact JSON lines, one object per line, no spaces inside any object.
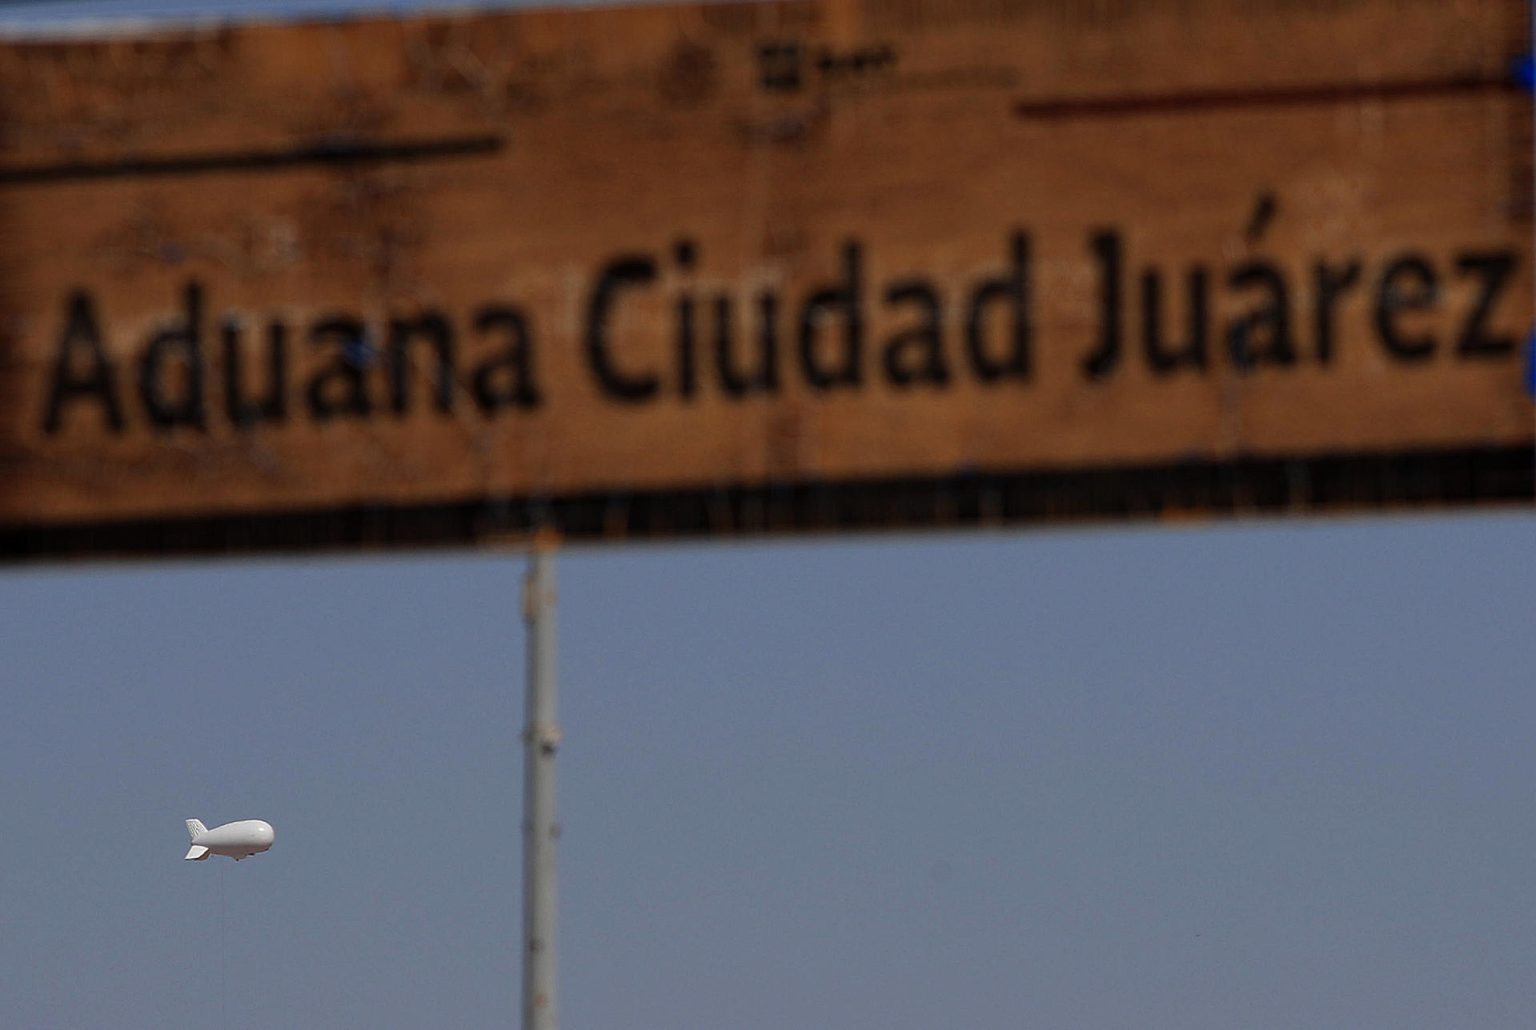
{"x":625,"y":271}
{"x":1262,"y":334}
{"x":845,"y":297}
{"x":177,"y":345}
{"x":341,"y":388}
{"x":1492,"y":270}
{"x":242,"y":411}
{"x":687,"y":367}
{"x":82,"y":340}
{"x":506,"y":380}
{"x":1328,"y":285}
{"x":916,"y":354}
{"x":779,"y":66}
{"x":735,"y":381}
{"x":1265,"y":207}
{"x":1012,"y":287}
{"x":687,"y":360}
{"x":1162,"y":358}
{"x":1106,"y":248}
{"x":434,"y":328}
{"x":1407,"y":284}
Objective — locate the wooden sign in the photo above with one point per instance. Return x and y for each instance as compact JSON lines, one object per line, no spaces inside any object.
{"x":762,"y":266}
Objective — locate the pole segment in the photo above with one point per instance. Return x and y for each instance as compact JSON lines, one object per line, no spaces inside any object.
{"x":541,"y":738}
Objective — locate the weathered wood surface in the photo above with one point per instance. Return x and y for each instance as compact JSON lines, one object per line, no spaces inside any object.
{"x":489,"y":257}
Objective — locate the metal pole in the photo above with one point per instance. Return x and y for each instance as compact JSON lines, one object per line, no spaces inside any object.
{"x":541,"y":738}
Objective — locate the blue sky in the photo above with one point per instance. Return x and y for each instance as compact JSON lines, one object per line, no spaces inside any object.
{"x":47,"y":14}
{"x":1257,"y":774}
{"x":1250,"y":774}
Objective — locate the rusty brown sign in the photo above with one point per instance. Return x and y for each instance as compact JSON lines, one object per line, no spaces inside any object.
{"x":742,"y":267}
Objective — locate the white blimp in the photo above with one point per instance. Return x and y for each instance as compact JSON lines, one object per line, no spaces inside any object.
{"x":237,"y":840}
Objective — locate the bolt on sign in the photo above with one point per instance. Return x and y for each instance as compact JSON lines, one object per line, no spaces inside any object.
{"x":755,"y":267}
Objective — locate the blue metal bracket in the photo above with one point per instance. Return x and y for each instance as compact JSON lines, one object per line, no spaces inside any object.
{"x":1522,"y":71}
{"x":1530,"y":364}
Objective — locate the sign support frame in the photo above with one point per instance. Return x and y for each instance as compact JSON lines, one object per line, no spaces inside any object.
{"x":541,"y":830}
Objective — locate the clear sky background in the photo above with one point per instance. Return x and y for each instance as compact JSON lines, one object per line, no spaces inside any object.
{"x":1261,"y":774}
{"x":1257,"y":775}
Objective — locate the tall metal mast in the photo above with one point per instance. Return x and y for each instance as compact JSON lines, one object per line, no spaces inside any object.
{"x":541,"y":832}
